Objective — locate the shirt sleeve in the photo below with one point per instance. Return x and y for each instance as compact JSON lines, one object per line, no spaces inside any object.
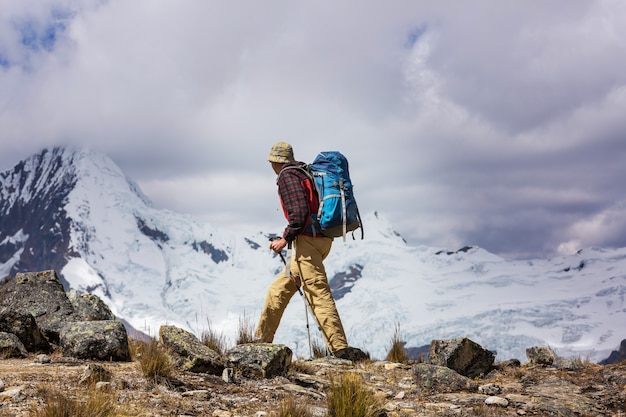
{"x":294,"y":200}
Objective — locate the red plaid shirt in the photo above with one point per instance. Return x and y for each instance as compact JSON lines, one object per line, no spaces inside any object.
{"x":298,"y":199}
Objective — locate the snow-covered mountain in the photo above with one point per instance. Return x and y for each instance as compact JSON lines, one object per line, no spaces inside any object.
{"x":76,"y":212}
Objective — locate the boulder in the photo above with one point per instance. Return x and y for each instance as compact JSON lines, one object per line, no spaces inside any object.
{"x":89,"y":307}
{"x":434,"y":378}
{"x":23,"y":325}
{"x":11,"y":347}
{"x":102,"y":340}
{"x":540,"y":355}
{"x":259,"y":360}
{"x":40,"y":294}
{"x":35,"y":307}
{"x":509,"y":363}
{"x":192,"y":354}
{"x":462,"y":355}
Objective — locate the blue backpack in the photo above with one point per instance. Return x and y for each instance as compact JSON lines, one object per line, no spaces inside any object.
{"x":338,"y":212}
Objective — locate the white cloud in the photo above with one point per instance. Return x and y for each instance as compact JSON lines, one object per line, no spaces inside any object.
{"x":600,"y":229}
{"x":468,"y":123}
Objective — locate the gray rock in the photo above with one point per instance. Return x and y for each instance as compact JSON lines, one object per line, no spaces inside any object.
{"x":23,"y":325}
{"x":89,"y":307}
{"x":15,"y":395}
{"x":35,"y":308}
{"x":462,"y":355}
{"x":11,"y":347}
{"x":94,"y":373}
{"x":616,"y":356}
{"x":490,"y":389}
{"x":103,"y":386}
{"x":430,"y":378}
{"x":40,"y":294}
{"x":499,"y":401}
{"x":260,"y":360}
{"x":540,"y":355}
{"x":194,"y":356}
{"x":101,"y":340}
{"x":564,"y":363}
{"x":512,"y":363}
{"x":228,"y":375}
{"x":200,"y":394}
{"x":42,"y":359}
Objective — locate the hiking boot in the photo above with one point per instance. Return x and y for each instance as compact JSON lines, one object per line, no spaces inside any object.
{"x":352,"y":354}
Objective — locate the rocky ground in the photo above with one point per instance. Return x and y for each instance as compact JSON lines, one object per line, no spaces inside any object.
{"x":589,"y":390}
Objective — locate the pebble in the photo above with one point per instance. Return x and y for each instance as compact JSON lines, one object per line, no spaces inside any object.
{"x":103,"y":386}
{"x":490,"y":389}
{"x":42,"y":358}
{"x":198,"y":393}
{"x":502,"y":402}
{"x":228,"y":375}
{"x":15,"y":395}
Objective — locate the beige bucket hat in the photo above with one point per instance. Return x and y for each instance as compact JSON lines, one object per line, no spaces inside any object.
{"x":281,"y":152}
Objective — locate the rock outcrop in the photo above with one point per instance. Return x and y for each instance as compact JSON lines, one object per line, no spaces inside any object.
{"x":462,"y":355}
{"x":101,"y":340}
{"x":262,"y":360}
{"x":36,"y":309}
{"x":617,"y":355}
{"x":24,"y":326}
{"x":460,"y":377}
{"x":190,"y":353}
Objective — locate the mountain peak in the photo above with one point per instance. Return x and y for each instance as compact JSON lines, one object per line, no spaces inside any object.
{"x":36,"y":195}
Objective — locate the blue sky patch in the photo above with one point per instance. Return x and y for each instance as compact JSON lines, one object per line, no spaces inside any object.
{"x":414,"y":36}
{"x":35,"y":36}
{"x":4,"y":61}
{"x":38,"y":35}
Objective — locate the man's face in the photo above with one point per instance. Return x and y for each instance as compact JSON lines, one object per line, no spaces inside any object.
{"x":277,"y":167}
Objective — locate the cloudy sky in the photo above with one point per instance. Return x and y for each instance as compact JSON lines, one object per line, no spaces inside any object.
{"x":490,"y":123}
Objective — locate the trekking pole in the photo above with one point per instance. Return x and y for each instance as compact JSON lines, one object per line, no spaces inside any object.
{"x":307,"y":304}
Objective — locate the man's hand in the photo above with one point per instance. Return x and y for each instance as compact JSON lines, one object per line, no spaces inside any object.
{"x":277,"y":245}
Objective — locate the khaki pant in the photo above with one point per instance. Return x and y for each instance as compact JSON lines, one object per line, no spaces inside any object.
{"x":307,"y":268}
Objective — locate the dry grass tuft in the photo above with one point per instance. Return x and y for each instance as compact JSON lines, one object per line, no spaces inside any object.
{"x":349,"y":397}
{"x":302,"y":367}
{"x":290,"y":407}
{"x":246,"y":331}
{"x":396,"y":352}
{"x":94,"y":403}
{"x":486,"y":411}
{"x":319,"y":349}
{"x":580,"y":363}
{"x":133,"y":348}
{"x":154,"y":361}
{"x":216,"y":342}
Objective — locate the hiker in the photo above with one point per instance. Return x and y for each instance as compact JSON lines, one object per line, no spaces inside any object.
{"x":299,"y":200}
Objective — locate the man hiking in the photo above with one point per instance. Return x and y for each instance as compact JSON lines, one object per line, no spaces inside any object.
{"x":299,"y":201}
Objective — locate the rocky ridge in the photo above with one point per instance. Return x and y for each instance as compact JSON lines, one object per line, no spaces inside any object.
{"x":403,"y":389}
{"x":460,"y":378}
